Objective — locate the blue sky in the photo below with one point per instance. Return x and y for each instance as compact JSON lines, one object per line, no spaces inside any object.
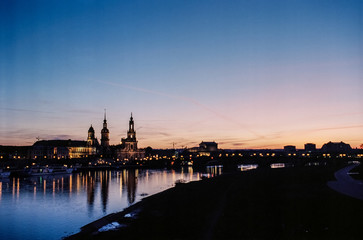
{"x":247,"y":74}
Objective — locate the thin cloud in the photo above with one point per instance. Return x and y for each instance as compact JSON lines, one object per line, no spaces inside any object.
{"x":338,"y":128}
{"x":185,"y":99}
{"x":301,"y":132}
{"x":24,"y":110}
{"x":346,"y":114}
{"x":62,"y":137}
{"x":325,"y":129}
{"x":238,"y":144}
{"x":156,"y":133}
{"x":82,"y":111}
{"x":157,"y":120}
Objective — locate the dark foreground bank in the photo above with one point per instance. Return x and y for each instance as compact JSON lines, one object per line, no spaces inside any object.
{"x":291,"y":203}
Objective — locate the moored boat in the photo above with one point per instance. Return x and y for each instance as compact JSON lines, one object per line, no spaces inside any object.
{"x":39,"y":171}
{"x":48,"y":170}
{"x":61,"y":170}
{"x":4,"y":174}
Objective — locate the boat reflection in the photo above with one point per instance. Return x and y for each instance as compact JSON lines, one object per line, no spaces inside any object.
{"x":277,"y":165}
{"x":247,"y":167}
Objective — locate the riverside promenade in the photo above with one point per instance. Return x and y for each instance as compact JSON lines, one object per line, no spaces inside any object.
{"x":345,"y":184}
{"x":289,"y":203}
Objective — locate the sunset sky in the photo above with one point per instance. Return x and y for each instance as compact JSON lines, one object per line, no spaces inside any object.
{"x":246,"y":74}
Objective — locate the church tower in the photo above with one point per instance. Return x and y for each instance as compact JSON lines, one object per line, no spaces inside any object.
{"x":131,"y":134}
{"x":91,"y":140}
{"x":128,"y":150}
{"x":130,"y":143}
{"x":105,"y":134}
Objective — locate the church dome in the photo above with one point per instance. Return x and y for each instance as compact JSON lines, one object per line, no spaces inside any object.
{"x":91,"y":129}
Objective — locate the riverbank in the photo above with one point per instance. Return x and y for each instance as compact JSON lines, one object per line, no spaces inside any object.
{"x":290,"y":203}
{"x":347,"y":185}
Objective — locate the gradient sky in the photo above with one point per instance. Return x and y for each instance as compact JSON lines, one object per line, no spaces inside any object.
{"x":246,"y":74}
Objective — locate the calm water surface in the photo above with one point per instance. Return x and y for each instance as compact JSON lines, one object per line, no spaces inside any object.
{"x":51,"y":207}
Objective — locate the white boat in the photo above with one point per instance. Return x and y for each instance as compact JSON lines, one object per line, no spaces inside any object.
{"x":246,"y":167}
{"x":277,"y":165}
{"x":40,"y":171}
{"x":4,"y":174}
{"x":61,"y":170}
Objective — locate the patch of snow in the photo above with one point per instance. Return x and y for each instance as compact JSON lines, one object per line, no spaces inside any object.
{"x":111,"y":226}
{"x":132,"y":214}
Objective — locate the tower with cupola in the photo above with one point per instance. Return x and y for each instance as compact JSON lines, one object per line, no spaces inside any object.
{"x":130,"y":142}
{"x":91,"y":140}
{"x":128,"y":150}
{"x":105,"y":134}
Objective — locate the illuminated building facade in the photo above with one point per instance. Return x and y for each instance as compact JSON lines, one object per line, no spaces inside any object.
{"x":65,"y":149}
{"x":61,"y":149}
{"x":206,"y":148}
{"x":128,"y":149}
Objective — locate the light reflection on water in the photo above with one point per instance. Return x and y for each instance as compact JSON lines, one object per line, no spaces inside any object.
{"x":277,"y":165}
{"x":51,"y":207}
{"x":247,"y":167}
{"x":211,"y":171}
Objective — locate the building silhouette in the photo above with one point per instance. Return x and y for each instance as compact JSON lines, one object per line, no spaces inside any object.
{"x":128,"y":150}
{"x":208,"y":146}
{"x":289,"y":149}
{"x":91,"y":139}
{"x":105,"y":134}
{"x":64,"y":149}
{"x":205,"y":148}
{"x":336,"y":147}
{"x":310,"y":147}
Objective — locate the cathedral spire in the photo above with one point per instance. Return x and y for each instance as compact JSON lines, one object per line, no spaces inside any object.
{"x":104,"y":120}
{"x":105,"y":133}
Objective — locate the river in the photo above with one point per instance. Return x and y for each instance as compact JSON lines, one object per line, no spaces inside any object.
{"x":52,"y":207}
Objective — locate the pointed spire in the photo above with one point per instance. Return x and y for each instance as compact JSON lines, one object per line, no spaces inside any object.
{"x":104,"y":121}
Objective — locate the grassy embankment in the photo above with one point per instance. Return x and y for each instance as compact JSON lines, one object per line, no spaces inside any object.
{"x":292,"y":203}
